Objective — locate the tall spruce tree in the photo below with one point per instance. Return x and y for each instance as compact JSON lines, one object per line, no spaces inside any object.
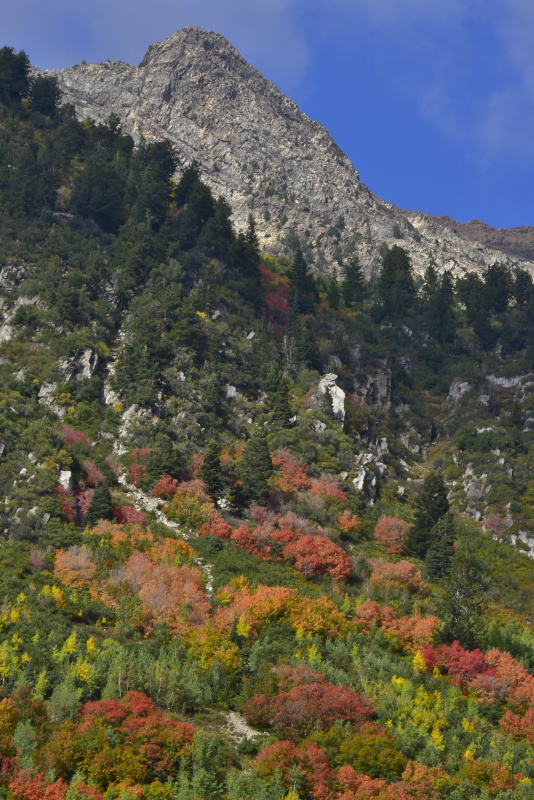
{"x":282,"y":406}
{"x":256,"y":467}
{"x":430,"y":506}
{"x":101,"y":506}
{"x":465,"y":597}
{"x":302,"y":284}
{"x":211,"y":470}
{"x":441,"y":549}
{"x":395,"y":285}
{"x":353,"y":286}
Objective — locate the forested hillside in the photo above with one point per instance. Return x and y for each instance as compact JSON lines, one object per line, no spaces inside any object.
{"x":264,"y":531}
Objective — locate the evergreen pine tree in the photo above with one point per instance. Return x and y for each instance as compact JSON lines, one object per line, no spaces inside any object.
{"x":14,"y":75}
{"x":333,"y":294}
{"x":444,"y":309}
{"x":354,"y":283}
{"x":302,"y":284}
{"x":282,"y":406}
{"x":430,"y":506}
{"x":163,"y":460}
{"x":465,"y":597}
{"x":256,"y":467}
{"x":211,"y":470}
{"x":441,"y":550}
{"x":395,"y":284}
{"x":101,"y":506}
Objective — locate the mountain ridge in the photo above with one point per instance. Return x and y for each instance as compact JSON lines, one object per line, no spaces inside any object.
{"x":264,"y":155}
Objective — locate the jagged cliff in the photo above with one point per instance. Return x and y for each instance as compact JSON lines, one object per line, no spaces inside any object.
{"x":263,"y":154}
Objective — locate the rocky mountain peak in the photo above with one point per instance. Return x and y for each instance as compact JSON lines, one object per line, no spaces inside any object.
{"x":264,"y":155}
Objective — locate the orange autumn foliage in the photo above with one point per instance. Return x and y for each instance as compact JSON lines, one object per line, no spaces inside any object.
{"x":310,"y":759}
{"x":403,"y":575}
{"x":348,"y":522}
{"x":217,"y":526}
{"x":317,"y":555}
{"x":271,"y":603}
{"x":165,"y":487}
{"x":414,"y":632}
{"x":292,"y":474}
{"x":505,"y":678}
{"x":75,"y":566}
{"x":29,"y":786}
{"x":170,"y":594}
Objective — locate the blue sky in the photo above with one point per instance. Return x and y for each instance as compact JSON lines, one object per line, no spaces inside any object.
{"x":433,"y":101}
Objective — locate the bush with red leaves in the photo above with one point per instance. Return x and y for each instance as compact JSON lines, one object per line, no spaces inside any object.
{"x":309,"y":760}
{"x":308,"y":707}
{"x":391,"y":533}
{"x":72,"y":436}
{"x":317,"y":555}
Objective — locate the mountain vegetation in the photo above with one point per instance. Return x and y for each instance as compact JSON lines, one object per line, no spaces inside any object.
{"x":264,"y":532}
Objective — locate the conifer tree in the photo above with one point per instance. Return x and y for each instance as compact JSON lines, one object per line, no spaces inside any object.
{"x":101,"y":506}
{"x":303,"y":289}
{"x":282,"y":406}
{"x":465,"y":597}
{"x":441,"y":550}
{"x":14,"y":75}
{"x":430,"y":506}
{"x":395,"y":283}
{"x":333,"y":294}
{"x":256,"y":467}
{"x":354,"y":282}
{"x":211,"y":470}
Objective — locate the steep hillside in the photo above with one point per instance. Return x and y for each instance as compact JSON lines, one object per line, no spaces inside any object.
{"x":265,"y":156}
{"x":264,"y":534}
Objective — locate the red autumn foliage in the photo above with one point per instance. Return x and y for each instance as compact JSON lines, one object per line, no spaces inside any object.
{"x":138,"y":464}
{"x":359,"y":786}
{"x":72,"y":436}
{"x":170,"y":594}
{"x":413,"y":632}
{"x":309,"y":759}
{"x":327,"y":487}
{"x":308,"y":707}
{"x":84,"y":501}
{"x":93,"y":476}
{"x":496,"y":525}
{"x":129,"y":515}
{"x":27,"y":786}
{"x":196,"y":463}
{"x":37,"y":559}
{"x":165,"y":487}
{"x":504,"y":678}
{"x":293,"y":474}
{"x":68,"y":503}
{"x":348,"y":522}
{"x":289,"y":677}
{"x":123,"y":740}
{"x":317,"y":555}
{"x":391,"y":532}
{"x":520,"y":727}
{"x":217,"y":527}
{"x":403,"y":575}
{"x":462,"y":664}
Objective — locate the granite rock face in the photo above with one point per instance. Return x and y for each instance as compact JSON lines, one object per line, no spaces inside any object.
{"x":264,"y":155}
